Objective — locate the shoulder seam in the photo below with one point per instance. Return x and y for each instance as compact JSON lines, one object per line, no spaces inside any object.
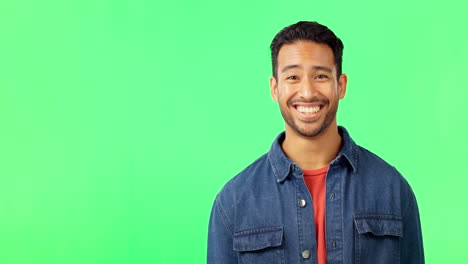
{"x":410,"y":203}
{"x":410,"y":195}
{"x":223,"y":214}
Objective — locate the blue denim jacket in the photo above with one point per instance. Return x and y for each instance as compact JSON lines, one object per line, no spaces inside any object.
{"x":371,"y":213}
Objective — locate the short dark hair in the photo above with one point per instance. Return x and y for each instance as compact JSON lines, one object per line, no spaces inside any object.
{"x":311,"y":31}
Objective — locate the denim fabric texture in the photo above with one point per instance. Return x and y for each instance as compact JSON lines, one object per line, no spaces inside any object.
{"x":372,"y":216}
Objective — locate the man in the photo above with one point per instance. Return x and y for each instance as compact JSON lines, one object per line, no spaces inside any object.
{"x":316,"y":196}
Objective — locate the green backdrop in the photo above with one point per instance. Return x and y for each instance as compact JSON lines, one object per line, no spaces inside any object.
{"x":121,"y":120}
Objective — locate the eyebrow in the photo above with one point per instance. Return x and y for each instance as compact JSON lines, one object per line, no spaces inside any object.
{"x":292,"y":66}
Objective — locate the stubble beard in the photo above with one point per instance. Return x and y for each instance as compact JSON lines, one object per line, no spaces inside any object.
{"x":329,"y":117}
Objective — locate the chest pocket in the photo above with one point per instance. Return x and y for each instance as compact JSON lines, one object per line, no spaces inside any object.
{"x":377,"y":239}
{"x":260,"y":245}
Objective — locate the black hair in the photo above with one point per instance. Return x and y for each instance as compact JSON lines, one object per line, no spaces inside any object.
{"x":310,"y":31}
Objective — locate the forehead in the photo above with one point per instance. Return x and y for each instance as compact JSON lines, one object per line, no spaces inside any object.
{"x":305,"y":53}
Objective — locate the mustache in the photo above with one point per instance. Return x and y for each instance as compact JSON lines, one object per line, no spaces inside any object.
{"x":313,"y":100}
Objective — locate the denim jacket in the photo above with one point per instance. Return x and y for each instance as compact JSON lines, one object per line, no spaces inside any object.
{"x":265,"y":213}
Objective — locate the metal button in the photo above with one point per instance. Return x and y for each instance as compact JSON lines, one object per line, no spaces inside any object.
{"x":301,"y":202}
{"x":332,"y":196}
{"x":306,"y":254}
{"x":333,"y":244}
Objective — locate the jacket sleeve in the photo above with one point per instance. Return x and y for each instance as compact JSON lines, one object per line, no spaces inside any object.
{"x":412,"y":251}
{"x":220,"y":244}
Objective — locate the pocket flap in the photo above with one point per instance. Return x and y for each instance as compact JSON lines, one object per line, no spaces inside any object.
{"x":258,"y":238}
{"x":379,"y":225}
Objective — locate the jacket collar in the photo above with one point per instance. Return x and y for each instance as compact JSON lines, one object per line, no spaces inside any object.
{"x":282,"y":165}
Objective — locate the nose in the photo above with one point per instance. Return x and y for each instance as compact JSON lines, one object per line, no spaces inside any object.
{"x":307,"y":89}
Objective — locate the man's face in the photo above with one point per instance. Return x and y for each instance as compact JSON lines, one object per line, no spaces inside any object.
{"x":306,"y":87}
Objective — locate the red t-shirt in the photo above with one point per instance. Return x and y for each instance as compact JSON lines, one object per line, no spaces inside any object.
{"x":315,"y":181}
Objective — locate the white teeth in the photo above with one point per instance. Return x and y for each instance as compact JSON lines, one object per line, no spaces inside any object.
{"x":308,"y":110}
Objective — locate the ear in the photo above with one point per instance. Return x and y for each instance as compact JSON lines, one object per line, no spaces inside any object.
{"x":342,"y":82}
{"x":274,"y":88}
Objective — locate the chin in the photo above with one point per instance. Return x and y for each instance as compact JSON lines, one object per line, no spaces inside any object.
{"x":312,"y":133}
{"x":307,"y":132}
{"x":311,"y":130}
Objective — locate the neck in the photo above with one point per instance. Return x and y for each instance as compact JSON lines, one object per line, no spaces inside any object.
{"x":312,"y":153}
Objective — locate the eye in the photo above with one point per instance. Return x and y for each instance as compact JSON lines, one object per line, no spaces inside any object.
{"x":292,"y":77}
{"x":321,"y":77}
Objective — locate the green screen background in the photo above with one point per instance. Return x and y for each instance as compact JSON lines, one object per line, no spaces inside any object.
{"x":121,"y":120}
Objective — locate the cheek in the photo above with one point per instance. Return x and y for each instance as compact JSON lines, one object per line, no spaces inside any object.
{"x":286,"y":90}
{"x":331,"y":90}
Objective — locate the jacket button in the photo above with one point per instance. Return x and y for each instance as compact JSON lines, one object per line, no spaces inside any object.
{"x":301,"y":203}
{"x":332,"y":196}
{"x":306,"y":254}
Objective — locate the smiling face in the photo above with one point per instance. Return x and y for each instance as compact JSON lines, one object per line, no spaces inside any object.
{"x":307,"y":88}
